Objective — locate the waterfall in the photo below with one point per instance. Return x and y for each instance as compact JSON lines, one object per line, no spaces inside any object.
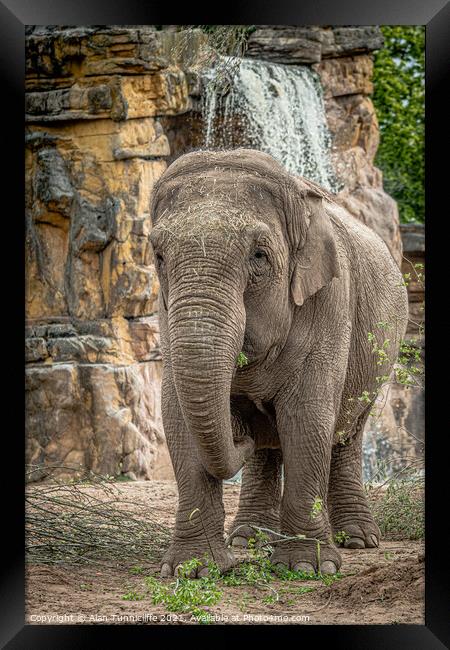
{"x":275,"y":108}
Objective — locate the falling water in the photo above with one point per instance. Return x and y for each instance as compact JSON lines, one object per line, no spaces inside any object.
{"x":278,"y":109}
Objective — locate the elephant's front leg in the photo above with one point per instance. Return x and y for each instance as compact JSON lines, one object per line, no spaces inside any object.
{"x":305,"y":426}
{"x":199,"y":525}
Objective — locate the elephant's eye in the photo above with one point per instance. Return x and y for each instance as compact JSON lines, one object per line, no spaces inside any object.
{"x":259,"y":267}
{"x":159,"y":259}
{"x":259,"y":254}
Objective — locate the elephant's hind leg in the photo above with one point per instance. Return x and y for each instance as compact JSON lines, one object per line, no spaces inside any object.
{"x":260,"y":498}
{"x":350,"y":516}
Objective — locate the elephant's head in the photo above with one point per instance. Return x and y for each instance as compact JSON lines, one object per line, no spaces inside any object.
{"x":239,"y":244}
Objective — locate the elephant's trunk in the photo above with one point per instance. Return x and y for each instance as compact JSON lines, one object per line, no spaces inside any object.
{"x":206,"y":330}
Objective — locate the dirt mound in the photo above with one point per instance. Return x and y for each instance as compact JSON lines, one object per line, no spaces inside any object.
{"x":402,"y":581}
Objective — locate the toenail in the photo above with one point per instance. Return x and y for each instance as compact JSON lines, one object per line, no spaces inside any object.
{"x":166,"y":571}
{"x":354,"y":542}
{"x":328,"y":567}
{"x":306,"y":567}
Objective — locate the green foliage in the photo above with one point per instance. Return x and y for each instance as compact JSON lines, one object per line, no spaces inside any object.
{"x":316,"y":508}
{"x":342,"y":437}
{"x":186,"y":595}
{"x":407,"y":365}
{"x":133,"y":595}
{"x":258,"y":571}
{"x":241,"y":360}
{"x":365,"y":397}
{"x":341,"y":536}
{"x":399,"y":99}
{"x":137,"y":570}
{"x":400,"y":511}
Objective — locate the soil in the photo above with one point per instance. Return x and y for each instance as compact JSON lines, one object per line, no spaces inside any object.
{"x":379,"y":586}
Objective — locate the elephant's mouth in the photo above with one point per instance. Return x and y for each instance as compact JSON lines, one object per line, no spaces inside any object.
{"x":250,"y":351}
{"x":256,"y":357}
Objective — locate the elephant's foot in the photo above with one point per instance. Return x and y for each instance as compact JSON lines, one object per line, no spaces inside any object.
{"x":178,"y":553}
{"x":355,"y":532}
{"x":306,"y":557}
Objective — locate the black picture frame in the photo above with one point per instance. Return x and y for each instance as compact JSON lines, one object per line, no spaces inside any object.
{"x":14,"y":15}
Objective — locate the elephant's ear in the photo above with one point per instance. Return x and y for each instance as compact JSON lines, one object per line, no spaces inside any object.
{"x":315,"y":258}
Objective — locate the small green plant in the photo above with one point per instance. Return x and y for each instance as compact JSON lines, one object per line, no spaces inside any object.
{"x":241,"y":360}
{"x":186,"y":595}
{"x":341,"y":536}
{"x":137,"y":570}
{"x":244,"y":601}
{"x":133,"y":595}
{"x":380,"y":350}
{"x":192,"y":596}
{"x":409,"y":363}
{"x":342,"y":437}
{"x":383,"y":325}
{"x":366,"y":397}
{"x":258,"y":571}
{"x":270,"y":599}
{"x":406,"y":279}
{"x":301,"y":590}
{"x":329,"y":578}
{"x":316,"y":508}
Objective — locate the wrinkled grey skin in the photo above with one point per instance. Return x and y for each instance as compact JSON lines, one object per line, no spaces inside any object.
{"x":252,"y":259}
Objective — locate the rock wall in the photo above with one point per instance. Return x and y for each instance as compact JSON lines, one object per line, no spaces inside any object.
{"x":94,"y":149}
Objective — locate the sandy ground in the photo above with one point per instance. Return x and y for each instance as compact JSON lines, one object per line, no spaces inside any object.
{"x":379,"y":586}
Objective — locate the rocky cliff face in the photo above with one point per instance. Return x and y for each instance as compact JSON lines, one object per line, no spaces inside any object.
{"x":94,"y":148}
{"x":106,"y":109}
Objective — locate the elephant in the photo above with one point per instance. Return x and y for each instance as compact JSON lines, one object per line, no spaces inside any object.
{"x":257,"y":264}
